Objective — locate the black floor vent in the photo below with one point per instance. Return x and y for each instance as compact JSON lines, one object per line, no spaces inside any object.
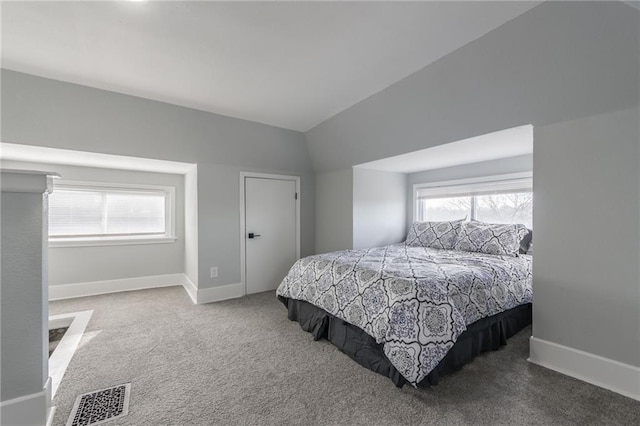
{"x":100,"y":406}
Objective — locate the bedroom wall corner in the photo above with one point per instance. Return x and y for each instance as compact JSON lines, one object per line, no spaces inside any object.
{"x":191,"y":225}
{"x":379,"y":208}
{"x":587,"y":222}
{"x":334,"y":210}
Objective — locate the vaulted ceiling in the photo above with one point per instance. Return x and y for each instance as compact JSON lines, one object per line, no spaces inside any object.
{"x":287,"y":64}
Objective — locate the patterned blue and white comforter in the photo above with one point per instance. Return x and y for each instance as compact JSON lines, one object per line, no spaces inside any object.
{"x":415,"y":301}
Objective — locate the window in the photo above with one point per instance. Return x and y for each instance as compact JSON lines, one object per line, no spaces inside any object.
{"x":95,"y":214}
{"x":497,"y":199}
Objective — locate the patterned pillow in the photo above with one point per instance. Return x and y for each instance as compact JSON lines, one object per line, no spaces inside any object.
{"x":491,"y":238}
{"x":439,"y":235}
{"x":526,"y":242}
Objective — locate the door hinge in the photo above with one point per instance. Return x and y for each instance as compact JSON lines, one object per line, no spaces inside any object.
{"x":296,"y":195}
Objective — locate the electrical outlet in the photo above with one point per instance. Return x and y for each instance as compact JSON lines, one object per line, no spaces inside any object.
{"x":214,"y":272}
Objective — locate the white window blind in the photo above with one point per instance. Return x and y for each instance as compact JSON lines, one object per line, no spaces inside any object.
{"x":475,"y":188}
{"x":107,"y":212}
{"x":496,"y":199}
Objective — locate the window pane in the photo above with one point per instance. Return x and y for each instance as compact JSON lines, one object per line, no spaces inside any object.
{"x":440,"y":209}
{"x":79,"y":212}
{"x":75,"y":213}
{"x":135,"y":213}
{"x":506,"y":208}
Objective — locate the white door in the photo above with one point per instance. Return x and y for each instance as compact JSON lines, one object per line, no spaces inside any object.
{"x":270,"y":231}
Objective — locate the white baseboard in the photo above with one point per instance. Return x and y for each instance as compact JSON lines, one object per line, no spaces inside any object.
{"x":198,"y":296}
{"x":61,"y":356}
{"x":52,"y":414}
{"x":51,"y":410}
{"x":217,"y":294}
{"x":28,"y":410}
{"x":191,"y":289}
{"x":604,"y":372}
{"x":69,"y":291}
{"x":201,"y":296}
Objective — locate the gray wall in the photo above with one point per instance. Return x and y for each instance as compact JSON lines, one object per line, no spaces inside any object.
{"x":587,"y":231}
{"x":379,"y":208}
{"x":43,"y":112}
{"x":191,"y":225}
{"x":521,"y":163}
{"x":334,"y":210}
{"x":68,"y":265}
{"x":22,"y":296}
{"x":558,"y":62}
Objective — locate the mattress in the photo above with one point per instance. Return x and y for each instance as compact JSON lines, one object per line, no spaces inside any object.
{"x":413,"y":301}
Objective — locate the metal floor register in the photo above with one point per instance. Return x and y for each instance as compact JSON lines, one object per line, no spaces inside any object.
{"x":101,"y":406}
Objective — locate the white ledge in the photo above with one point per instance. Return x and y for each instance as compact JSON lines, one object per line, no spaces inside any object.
{"x":108,"y":241}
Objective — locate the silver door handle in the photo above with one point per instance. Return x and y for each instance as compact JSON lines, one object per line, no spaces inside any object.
{"x":252,"y":235}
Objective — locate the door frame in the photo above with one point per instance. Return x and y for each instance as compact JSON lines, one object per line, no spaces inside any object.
{"x":243,"y":231}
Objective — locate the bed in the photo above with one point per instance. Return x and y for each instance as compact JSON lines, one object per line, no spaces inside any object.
{"x":413,"y":311}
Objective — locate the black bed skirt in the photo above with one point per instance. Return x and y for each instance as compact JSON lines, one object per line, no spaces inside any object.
{"x":483,"y":335}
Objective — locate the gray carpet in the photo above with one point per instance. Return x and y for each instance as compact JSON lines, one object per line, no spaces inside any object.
{"x":242,"y":362}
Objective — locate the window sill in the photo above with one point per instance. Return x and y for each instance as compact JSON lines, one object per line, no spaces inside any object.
{"x":106,"y":241}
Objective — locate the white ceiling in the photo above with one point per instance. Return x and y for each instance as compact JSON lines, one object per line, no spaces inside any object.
{"x":492,"y":146}
{"x":288,"y":64}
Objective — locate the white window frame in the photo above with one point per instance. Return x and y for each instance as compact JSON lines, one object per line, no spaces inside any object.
{"x":79,"y":241}
{"x":475,"y":186}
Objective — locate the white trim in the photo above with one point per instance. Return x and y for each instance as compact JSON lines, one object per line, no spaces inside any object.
{"x":243,"y":231}
{"x":219,"y":293}
{"x":191,"y":289}
{"x":471,"y":181}
{"x":465,"y":186}
{"x":50,"y":417}
{"x":212,"y":294}
{"x":603,"y":372}
{"x":69,"y":291}
{"x":61,"y":356}
{"x":51,"y":409}
{"x":60,"y":321}
{"x":116,"y":186}
{"x":109,"y":241}
{"x":27,"y":410}
{"x":41,"y":154}
{"x":197,"y":296}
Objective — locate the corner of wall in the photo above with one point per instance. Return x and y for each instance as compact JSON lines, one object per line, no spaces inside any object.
{"x":334,"y":212}
{"x":191,"y":226}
